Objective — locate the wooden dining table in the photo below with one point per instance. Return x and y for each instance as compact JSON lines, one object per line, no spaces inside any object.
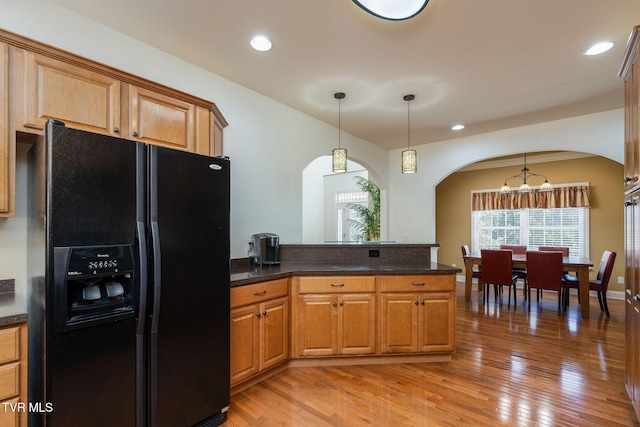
{"x":578,"y":264}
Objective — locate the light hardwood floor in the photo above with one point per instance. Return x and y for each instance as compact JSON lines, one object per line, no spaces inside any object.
{"x":511,"y":367}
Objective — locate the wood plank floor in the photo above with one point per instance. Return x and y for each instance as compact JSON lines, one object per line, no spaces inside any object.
{"x":511,"y":367}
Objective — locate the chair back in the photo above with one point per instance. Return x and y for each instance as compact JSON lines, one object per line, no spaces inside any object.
{"x":465,"y":250}
{"x":606,"y":267}
{"x":516,"y":249}
{"x":496,"y":267}
{"x":544,"y":270}
{"x":563,"y":249}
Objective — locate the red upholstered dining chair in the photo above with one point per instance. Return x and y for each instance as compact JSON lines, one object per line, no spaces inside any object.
{"x":496,"y":271}
{"x":544,"y":271}
{"x":520,"y":272}
{"x":600,"y":284}
{"x":476,"y":273}
{"x":563,"y":249}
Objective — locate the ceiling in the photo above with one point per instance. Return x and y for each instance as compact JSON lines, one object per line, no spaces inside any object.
{"x":491,"y":64}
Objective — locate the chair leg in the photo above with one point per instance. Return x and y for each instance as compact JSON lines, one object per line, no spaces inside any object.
{"x":604,"y":302}
{"x":514,"y":291}
{"x":600,"y":300}
{"x":559,"y":301}
{"x":529,"y":297}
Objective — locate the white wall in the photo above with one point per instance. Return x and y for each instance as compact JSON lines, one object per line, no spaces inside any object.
{"x":412,"y":197}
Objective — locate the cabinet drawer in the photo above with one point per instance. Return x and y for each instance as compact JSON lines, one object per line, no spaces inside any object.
{"x":257,"y":292}
{"x":9,"y":344}
{"x":9,"y":380}
{"x":337,"y":284}
{"x":427,"y":282}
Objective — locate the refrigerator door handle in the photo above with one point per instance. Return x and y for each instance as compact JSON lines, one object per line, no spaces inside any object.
{"x":142,"y":277}
{"x":155,"y":313}
{"x":153,"y":330}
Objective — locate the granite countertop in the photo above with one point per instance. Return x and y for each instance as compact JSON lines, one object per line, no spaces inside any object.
{"x":246,"y":273}
{"x":12,"y":311}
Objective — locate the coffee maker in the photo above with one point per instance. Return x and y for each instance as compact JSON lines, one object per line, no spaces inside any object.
{"x":267,"y":249}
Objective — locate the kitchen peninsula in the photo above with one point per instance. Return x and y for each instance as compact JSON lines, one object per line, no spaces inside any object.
{"x":335,"y":304}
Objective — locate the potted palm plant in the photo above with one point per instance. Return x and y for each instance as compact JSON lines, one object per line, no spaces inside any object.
{"x":368,"y":217}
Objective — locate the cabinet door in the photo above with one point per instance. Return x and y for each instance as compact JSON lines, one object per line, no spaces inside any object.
{"x":274,"y":332}
{"x":437,"y":322}
{"x":631,"y":142}
{"x":357,"y":324}
{"x":155,"y":118}
{"x":318,"y":325}
{"x":245,"y":339}
{"x":48,"y":88}
{"x":7,"y":142}
{"x":399,"y":323}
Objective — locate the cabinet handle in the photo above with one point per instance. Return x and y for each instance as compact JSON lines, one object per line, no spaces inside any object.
{"x":264,"y":313}
{"x":341,"y":303}
{"x":637,"y":297}
{"x":135,"y":134}
{"x":259,"y":294}
{"x":418,"y":284}
{"x":337,"y":285}
{"x":422,"y":302}
{"x":258,"y":315}
{"x":335,"y":304}
{"x":629,"y":180}
{"x":116,"y":130}
{"x":415,"y":302}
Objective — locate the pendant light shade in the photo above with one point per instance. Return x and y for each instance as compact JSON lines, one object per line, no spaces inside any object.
{"x":339,"y":155}
{"x":339,"y":159}
{"x":409,"y":156}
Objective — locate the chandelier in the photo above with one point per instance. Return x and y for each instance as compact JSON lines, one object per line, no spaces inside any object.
{"x":525,"y":174}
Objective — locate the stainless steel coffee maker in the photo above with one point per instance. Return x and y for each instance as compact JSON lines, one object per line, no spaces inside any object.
{"x":267,"y":249}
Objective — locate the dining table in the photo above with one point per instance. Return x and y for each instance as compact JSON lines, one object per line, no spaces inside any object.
{"x":578,"y":264}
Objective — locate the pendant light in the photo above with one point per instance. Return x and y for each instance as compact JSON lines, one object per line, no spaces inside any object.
{"x":339,"y":155}
{"x":409,"y":156}
{"x":524,"y":174}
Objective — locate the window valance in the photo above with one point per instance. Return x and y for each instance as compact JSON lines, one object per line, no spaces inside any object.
{"x":576,"y":196}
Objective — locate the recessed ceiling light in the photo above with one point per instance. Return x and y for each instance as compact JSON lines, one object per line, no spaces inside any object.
{"x":261,"y":43}
{"x":457,"y":127}
{"x":599,"y":48}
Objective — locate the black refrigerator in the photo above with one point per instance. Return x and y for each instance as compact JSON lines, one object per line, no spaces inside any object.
{"x":128,"y":265}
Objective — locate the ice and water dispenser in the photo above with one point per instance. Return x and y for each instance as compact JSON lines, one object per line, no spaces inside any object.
{"x":93,"y":285}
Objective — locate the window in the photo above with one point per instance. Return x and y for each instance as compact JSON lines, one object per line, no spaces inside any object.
{"x":532,"y":227}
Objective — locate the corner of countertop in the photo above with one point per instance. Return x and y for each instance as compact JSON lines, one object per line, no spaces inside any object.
{"x":12,"y":311}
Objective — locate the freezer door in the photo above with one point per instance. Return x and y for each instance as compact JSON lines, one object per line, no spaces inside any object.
{"x":189,"y":336}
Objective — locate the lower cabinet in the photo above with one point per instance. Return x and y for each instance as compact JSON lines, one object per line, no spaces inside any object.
{"x":417,"y":314}
{"x":13,"y":375}
{"x":259,"y":328}
{"x":334,"y":324}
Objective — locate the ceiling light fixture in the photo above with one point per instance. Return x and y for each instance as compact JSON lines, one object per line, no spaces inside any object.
{"x":598,"y":48}
{"x":339,"y":155}
{"x":524,"y":174}
{"x":393,"y":10}
{"x":409,"y":156}
{"x":261,"y":43}
{"x":457,"y":127}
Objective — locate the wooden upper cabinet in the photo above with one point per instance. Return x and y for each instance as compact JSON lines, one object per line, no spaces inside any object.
{"x":7,"y":143}
{"x":49,"y":88}
{"x":630,"y":71}
{"x":158,"y":119}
